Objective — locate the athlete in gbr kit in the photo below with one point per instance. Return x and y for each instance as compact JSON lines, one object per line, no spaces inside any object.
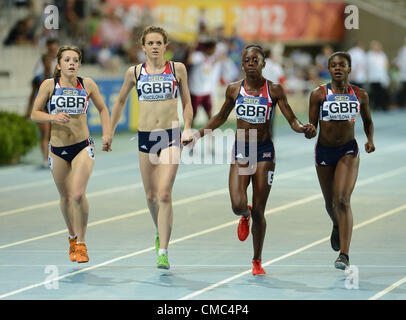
{"x":335,"y":107}
{"x":254,"y":99}
{"x":63,"y":101}
{"x":158,"y":83}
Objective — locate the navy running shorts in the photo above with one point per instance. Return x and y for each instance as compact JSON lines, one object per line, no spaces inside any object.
{"x":329,"y":156}
{"x":156,"y":141}
{"x":245,"y":151}
{"x":69,"y":153}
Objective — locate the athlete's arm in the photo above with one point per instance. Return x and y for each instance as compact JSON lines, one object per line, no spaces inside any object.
{"x":316,"y":98}
{"x":38,"y":114}
{"x":181,"y":73}
{"x":117,"y":111}
{"x":228,"y":105}
{"x":94,"y":93}
{"x":287,"y":112}
{"x":367,"y":120}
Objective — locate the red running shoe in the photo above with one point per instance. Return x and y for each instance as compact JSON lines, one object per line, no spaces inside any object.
{"x":244,"y":227}
{"x":257,"y":268}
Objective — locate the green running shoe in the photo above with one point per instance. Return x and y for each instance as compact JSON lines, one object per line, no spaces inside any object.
{"x":163,"y":262}
{"x":157,"y":243}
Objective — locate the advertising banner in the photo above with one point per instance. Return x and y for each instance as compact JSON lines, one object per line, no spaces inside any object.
{"x":289,"y":20}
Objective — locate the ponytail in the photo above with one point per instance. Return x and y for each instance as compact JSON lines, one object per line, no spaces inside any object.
{"x":57,"y":72}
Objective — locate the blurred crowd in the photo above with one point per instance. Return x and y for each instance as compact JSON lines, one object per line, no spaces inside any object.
{"x":110,"y":38}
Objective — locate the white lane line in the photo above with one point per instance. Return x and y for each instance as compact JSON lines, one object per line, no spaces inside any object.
{"x":13,"y":169}
{"x":27,"y":185}
{"x":294,"y":252}
{"x":211,"y":266}
{"x":39,"y":284}
{"x":96,"y":173}
{"x":109,"y":191}
{"x":282,"y":176}
{"x":145,"y":210}
{"x":396,"y":147}
{"x":102,"y":172}
{"x":388,"y":289}
{"x":179,"y":177}
{"x":274,"y":210}
{"x":120,"y":217}
{"x":224,"y":225}
{"x":393,"y":286}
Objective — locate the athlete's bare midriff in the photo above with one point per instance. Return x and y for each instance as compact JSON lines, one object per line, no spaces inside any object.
{"x":74,"y":131}
{"x":158,"y":115}
{"x":336,"y":133}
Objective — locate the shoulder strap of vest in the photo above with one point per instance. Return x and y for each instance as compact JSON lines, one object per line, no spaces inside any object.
{"x":242,"y":86}
{"x":264,"y":91}
{"x":268,"y":90}
{"x":329,"y":87}
{"x":356,"y":92}
{"x":324,"y":91}
{"x":81,"y":82}
{"x":135,"y":72}
{"x":172,"y":67}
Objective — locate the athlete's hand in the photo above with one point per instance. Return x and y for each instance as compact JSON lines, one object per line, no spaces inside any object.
{"x":61,"y":117}
{"x":310,"y":130}
{"x":106,"y":143}
{"x":187,"y":137}
{"x":369,"y":147}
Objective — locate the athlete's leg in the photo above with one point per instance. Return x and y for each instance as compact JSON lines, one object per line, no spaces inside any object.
{"x":209,"y":138}
{"x":82,"y":167}
{"x":238,"y":185}
{"x":150,"y":178}
{"x":261,"y":184}
{"x":169,"y":163}
{"x":326,"y":180}
{"x":344,"y":182}
{"x":45,"y":134}
{"x":207,"y":105}
{"x":61,"y":172}
{"x":195,"y":101}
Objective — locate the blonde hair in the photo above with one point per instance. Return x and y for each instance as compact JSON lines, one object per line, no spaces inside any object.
{"x":57,"y":72}
{"x":154,"y":29}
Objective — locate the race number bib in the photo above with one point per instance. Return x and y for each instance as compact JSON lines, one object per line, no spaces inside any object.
{"x":155,"y":87}
{"x":252,"y":109}
{"x":69,"y":100}
{"x":340,"y":107}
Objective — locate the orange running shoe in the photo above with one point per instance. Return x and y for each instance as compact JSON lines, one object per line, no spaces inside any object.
{"x":81,"y":253}
{"x":244,"y":227}
{"x":257,"y":268}
{"x":72,"y":249}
